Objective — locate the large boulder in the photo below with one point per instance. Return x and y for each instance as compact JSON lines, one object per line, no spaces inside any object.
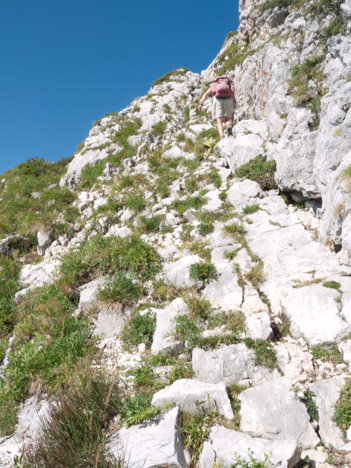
{"x":326,"y":394}
{"x":230,"y":364}
{"x":224,"y":446}
{"x":315,"y":314}
{"x":153,"y":443}
{"x":163,"y":339}
{"x":193,"y":396}
{"x":273,"y":411}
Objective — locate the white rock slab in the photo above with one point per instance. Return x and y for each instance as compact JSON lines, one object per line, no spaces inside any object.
{"x":314,"y":314}
{"x":152,"y":443}
{"x":163,"y":339}
{"x":258,"y":326}
{"x":28,"y":430}
{"x":345,"y":349}
{"x":273,"y":411}
{"x":193,"y":396}
{"x":177,"y":273}
{"x":224,"y":292}
{"x":295,"y":363}
{"x":230,"y":364}
{"x":224,"y":445}
{"x":326,"y":395}
{"x":88,"y":294}
{"x":110,"y":320}
{"x":244,"y":193}
{"x":238,"y":151}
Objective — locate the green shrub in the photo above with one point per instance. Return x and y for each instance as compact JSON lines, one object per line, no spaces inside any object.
{"x":168,"y":76}
{"x":270,"y":4}
{"x":9,"y":285}
{"x":120,"y":289}
{"x":24,"y":214}
{"x":311,"y":406}
{"x":108,"y":256}
{"x":90,"y":175}
{"x":205,"y":227}
{"x":199,"y":308}
{"x":151,"y":224}
{"x":135,"y":202}
{"x":192,"y":202}
{"x":138,"y":408}
{"x":331,"y":354}
{"x":49,"y":343}
{"x":160,"y":127}
{"x":196,"y":429}
{"x":333,"y":285}
{"x":343,"y":408}
{"x":202,"y":271}
{"x":265,"y":355}
{"x":251,"y":462}
{"x":75,"y":435}
{"x":139,"y":329}
{"x":250,"y":209}
{"x":259,"y":170}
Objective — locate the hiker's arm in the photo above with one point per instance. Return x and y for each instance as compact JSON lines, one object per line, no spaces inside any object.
{"x":204,"y":97}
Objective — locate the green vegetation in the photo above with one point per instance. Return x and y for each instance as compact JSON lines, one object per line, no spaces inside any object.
{"x":9,"y":274}
{"x":31,"y":198}
{"x":265,"y":355}
{"x":168,"y":76}
{"x":270,"y":4}
{"x":342,"y":414}
{"x":120,"y":289}
{"x":331,"y":354}
{"x":311,"y":406}
{"x":139,"y":329}
{"x":191,"y":202}
{"x":151,"y":224}
{"x":49,"y":343}
{"x":233,"y":56}
{"x":250,"y":209}
{"x":299,"y":86}
{"x":136,"y":202}
{"x":260,"y":170}
{"x":159,"y":127}
{"x":137,"y":408}
{"x":202,"y":271}
{"x":196,"y":429}
{"x":77,"y":430}
{"x":252,"y":462}
{"x":333,"y":285}
{"x":110,"y":255}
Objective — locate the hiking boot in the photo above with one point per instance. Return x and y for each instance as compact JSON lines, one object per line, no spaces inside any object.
{"x":230,"y":131}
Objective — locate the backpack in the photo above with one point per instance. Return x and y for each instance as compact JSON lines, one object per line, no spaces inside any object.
{"x":222,"y":87}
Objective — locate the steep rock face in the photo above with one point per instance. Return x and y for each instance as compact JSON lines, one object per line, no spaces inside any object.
{"x":244,"y":282}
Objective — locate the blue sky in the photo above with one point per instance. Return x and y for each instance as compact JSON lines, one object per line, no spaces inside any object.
{"x":65,"y":64}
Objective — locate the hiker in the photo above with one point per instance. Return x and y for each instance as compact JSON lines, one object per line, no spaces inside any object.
{"x":224,"y":103}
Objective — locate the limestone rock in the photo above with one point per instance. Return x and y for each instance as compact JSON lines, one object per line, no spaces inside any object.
{"x":193,"y":396}
{"x":224,"y":445}
{"x":326,"y":394}
{"x":295,"y":363}
{"x":230,"y":364}
{"x":110,"y":320}
{"x":243,"y":193}
{"x":345,"y":349}
{"x":238,"y":151}
{"x":153,"y":443}
{"x":177,"y":273}
{"x":88,"y":294}
{"x":258,"y":326}
{"x":163,"y":339}
{"x":314,"y":314}
{"x":273,"y":411}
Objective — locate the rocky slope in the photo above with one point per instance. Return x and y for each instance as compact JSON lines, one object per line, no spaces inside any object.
{"x":210,"y":275}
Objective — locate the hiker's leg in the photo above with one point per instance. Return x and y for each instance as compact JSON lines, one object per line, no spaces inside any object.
{"x":229,"y":125}
{"x":220,"y":126}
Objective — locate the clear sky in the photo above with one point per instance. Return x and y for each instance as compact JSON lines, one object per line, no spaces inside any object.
{"x":66,"y":63}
